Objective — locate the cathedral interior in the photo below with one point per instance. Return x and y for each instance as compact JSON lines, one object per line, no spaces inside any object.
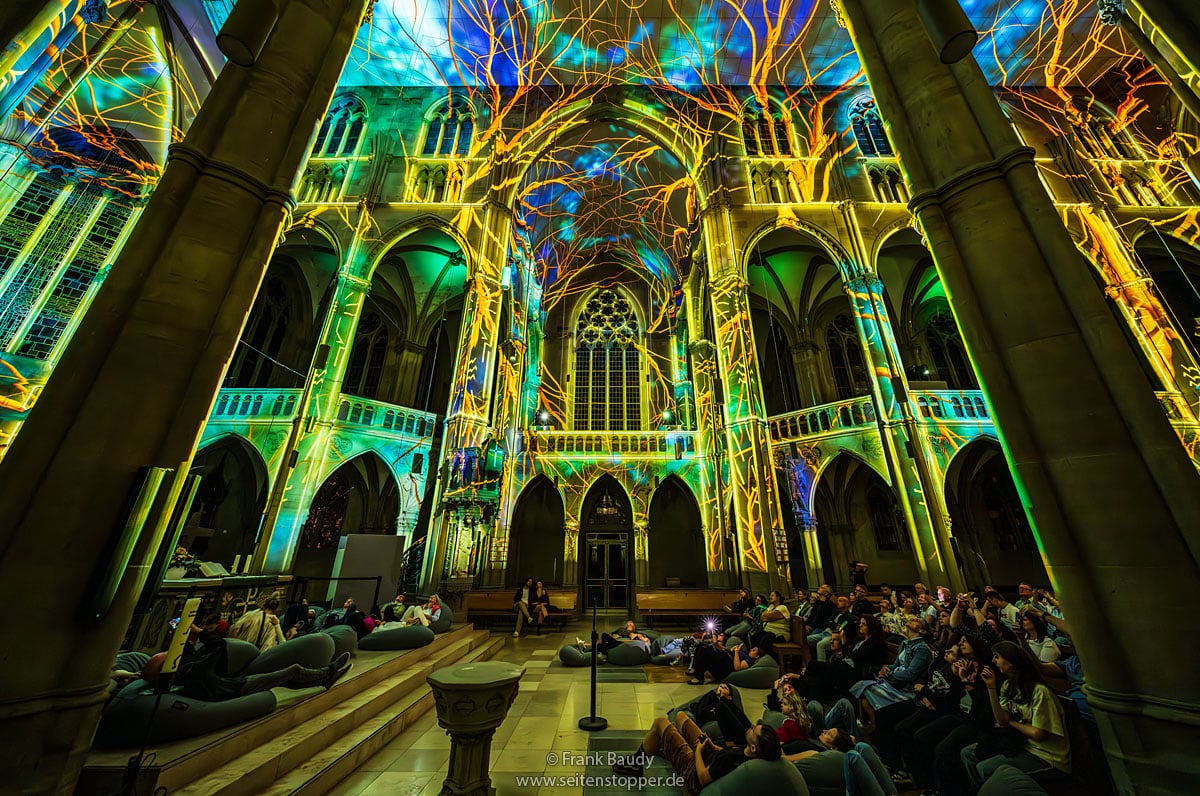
{"x":628,"y":297}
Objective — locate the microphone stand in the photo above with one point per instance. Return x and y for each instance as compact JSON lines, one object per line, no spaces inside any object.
{"x":593,"y":722}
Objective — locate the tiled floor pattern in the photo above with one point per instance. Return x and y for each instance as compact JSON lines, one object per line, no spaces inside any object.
{"x":541,"y":736}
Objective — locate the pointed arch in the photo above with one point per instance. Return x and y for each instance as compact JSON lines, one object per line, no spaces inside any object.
{"x":225,"y":516}
{"x":537,"y":534}
{"x":676,"y":545}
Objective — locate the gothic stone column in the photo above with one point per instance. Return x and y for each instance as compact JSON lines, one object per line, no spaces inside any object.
{"x":1112,"y":494}
{"x":137,"y":383}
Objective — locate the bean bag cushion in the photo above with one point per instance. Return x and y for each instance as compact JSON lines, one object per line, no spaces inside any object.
{"x":344,"y":639}
{"x":629,"y":653}
{"x":572,"y":655}
{"x":401,"y":638}
{"x":312,"y":652}
{"x":239,"y":655}
{"x":778,"y":777}
{"x":131,"y":661}
{"x":711,"y":728}
{"x":824,"y":773}
{"x":762,"y":674}
{"x":1010,"y":781}
{"x":773,"y":719}
{"x":660,"y":658}
{"x":443,"y":622}
{"x":123,"y":724}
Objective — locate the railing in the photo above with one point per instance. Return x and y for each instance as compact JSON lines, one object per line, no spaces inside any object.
{"x":840,"y":416}
{"x":602,"y":443}
{"x":952,"y":405}
{"x":235,"y":404}
{"x":389,"y":417}
{"x":439,"y":179}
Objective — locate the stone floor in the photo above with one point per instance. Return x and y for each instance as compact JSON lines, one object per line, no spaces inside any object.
{"x":540,"y":737}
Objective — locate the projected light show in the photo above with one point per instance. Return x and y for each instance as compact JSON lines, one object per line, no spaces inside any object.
{"x":563,"y":275}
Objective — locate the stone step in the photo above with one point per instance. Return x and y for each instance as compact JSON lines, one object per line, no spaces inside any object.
{"x":260,"y":766}
{"x":325,"y":770}
{"x":178,"y":764}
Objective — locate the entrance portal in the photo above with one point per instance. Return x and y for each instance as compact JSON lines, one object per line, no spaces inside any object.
{"x":607,"y":543}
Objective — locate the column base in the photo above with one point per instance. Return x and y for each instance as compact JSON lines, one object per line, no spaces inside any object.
{"x":46,"y":739}
{"x":1148,"y":755}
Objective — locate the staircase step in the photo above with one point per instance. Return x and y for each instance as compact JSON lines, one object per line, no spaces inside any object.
{"x":324,"y":771}
{"x":299,"y":746}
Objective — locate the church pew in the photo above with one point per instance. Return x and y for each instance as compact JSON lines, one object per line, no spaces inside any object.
{"x":690,"y":603}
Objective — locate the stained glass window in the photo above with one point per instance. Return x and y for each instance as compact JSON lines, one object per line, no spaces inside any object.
{"x":607,"y":376}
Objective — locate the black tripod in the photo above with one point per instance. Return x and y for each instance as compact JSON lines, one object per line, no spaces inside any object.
{"x":592,"y":721}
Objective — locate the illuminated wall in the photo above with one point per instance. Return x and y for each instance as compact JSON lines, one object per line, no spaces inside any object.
{"x":508,"y":166}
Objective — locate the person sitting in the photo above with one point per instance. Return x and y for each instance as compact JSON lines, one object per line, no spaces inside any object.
{"x":694,"y":756}
{"x":1037,"y":637}
{"x":1025,"y":594}
{"x":204,"y":673}
{"x":858,"y":574}
{"x":425,"y":614}
{"x":718,"y":705}
{"x":214,"y":624}
{"x":540,"y":605}
{"x":819,"y":639}
{"x":855,"y":656}
{"x":893,"y":685}
{"x":304,"y":625}
{"x":1005,"y":611}
{"x":804,"y":603}
{"x":742,"y":604}
{"x":260,"y":627}
{"x":1026,"y":705}
{"x":751,"y":617}
{"x":719,"y":662}
{"x":892,"y":621}
{"x":521,"y":601}
{"x":823,"y":608}
{"x":859,"y":602}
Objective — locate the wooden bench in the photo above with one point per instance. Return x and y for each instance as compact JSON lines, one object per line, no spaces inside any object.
{"x":690,"y":603}
{"x":486,"y":606}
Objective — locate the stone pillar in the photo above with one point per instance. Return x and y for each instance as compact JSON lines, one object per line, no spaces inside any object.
{"x":905,"y":447}
{"x":21,"y":25}
{"x":721,"y":570}
{"x":752,"y":476}
{"x":302,"y":472}
{"x":472,"y":700}
{"x":1092,"y":453}
{"x":468,"y":416}
{"x":136,"y":385}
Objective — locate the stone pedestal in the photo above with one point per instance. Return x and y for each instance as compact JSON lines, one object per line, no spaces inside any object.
{"x":472,"y":700}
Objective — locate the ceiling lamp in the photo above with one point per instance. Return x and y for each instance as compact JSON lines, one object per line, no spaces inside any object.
{"x":947,"y":26}
{"x":247,"y":29}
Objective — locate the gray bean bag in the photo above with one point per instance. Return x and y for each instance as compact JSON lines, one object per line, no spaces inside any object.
{"x":401,"y":638}
{"x":443,"y":622}
{"x":239,"y":655}
{"x":824,"y":773}
{"x":773,"y":719}
{"x":778,"y":778}
{"x":345,"y":639}
{"x":1010,"y":781}
{"x":312,"y":652}
{"x":658,"y":657}
{"x":629,"y":653}
{"x":711,"y":728}
{"x":573,"y":655}
{"x":123,"y":724}
{"x":762,"y":674}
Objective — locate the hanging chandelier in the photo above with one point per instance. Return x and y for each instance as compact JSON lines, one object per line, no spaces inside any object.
{"x":607,"y":507}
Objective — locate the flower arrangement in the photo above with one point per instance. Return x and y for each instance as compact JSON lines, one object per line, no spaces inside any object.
{"x":182,"y":559}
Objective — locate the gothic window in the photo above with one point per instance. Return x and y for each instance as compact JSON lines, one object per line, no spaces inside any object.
{"x":946,"y":348}
{"x":1003,"y":507}
{"x":765,"y":131}
{"x":450,"y":130}
{"x":867,"y":125}
{"x":60,"y":257}
{"x":341,"y":129}
{"x":323,"y":526}
{"x":263,"y":338}
{"x":846,"y":358}
{"x":608,"y":395}
{"x":885,"y":518}
{"x":367,"y":357}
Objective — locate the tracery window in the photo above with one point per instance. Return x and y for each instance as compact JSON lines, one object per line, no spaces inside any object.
{"x":765,"y":131}
{"x":867,"y":125}
{"x":367,"y":357}
{"x":53,"y":244}
{"x":264,"y":336}
{"x":450,"y":130}
{"x":885,"y":518}
{"x":846,"y":358}
{"x":341,"y":130}
{"x":946,"y":349}
{"x":608,"y":395}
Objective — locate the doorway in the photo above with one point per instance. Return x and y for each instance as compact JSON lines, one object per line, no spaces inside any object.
{"x":606,"y":572}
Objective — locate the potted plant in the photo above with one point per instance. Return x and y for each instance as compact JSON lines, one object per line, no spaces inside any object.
{"x":182,"y":565}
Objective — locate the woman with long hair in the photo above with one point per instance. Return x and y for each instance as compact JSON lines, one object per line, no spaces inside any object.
{"x":854,"y":655}
{"x":1023,"y":704}
{"x":540,"y":603}
{"x":1037,"y":638}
